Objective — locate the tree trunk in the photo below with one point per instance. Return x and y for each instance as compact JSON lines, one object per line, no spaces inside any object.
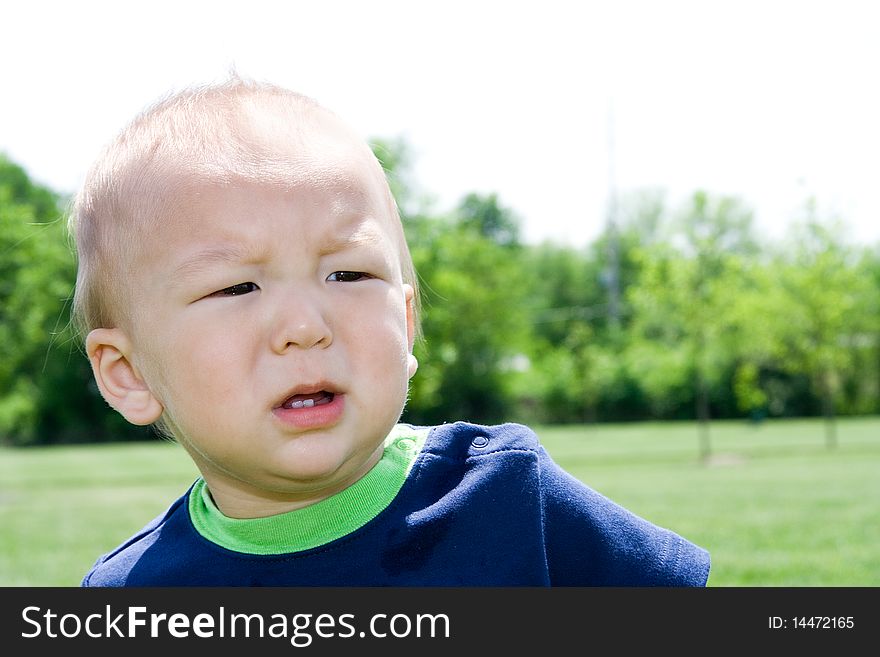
{"x":828,"y":412}
{"x":702,"y":398}
{"x":703,"y":419}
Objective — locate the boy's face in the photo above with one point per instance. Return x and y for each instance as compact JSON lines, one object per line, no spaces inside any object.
{"x":274,"y":328}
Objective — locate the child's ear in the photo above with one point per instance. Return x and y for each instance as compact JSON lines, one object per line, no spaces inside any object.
{"x":409,"y":295}
{"x":120,"y":383}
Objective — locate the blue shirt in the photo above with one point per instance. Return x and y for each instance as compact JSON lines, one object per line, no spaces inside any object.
{"x":479,"y":506}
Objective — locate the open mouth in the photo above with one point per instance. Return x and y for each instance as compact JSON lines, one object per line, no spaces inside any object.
{"x":311,"y":406}
{"x":309,"y":400}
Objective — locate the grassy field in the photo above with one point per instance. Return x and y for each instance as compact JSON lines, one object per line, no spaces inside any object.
{"x":774,"y":506}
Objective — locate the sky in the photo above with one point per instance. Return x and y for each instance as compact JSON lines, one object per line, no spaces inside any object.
{"x":552,"y":105}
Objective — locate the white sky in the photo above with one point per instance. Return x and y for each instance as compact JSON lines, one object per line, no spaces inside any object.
{"x":772,"y":101}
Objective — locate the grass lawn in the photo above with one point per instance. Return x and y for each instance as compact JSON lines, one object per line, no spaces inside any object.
{"x":774,"y":506}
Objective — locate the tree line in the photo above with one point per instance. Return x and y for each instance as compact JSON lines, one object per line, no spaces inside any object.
{"x":678,"y":312}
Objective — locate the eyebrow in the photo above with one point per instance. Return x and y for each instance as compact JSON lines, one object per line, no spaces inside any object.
{"x":363,"y":233}
{"x":202,"y":260}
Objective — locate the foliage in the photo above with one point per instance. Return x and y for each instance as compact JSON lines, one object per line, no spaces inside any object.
{"x":473,"y":323}
{"x":824,"y":317}
{"x":672,"y":313}
{"x":46,"y":392}
{"x":36,"y":279}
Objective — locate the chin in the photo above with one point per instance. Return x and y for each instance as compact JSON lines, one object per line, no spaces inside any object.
{"x":315,"y":471}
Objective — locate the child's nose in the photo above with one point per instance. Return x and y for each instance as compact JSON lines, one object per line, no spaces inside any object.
{"x":300,"y":323}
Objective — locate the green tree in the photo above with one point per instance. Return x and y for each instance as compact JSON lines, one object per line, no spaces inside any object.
{"x":576,"y":374}
{"x":472,"y":319}
{"x":563,"y":289}
{"x":46,"y":390}
{"x":869,"y":270}
{"x":823,"y":303}
{"x":716,"y":230}
{"x":485,"y":215}
{"x":35,"y":279}
{"x":473,"y":325}
{"x":680,"y":340}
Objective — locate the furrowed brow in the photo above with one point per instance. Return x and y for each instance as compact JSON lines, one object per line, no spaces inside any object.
{"x":201,"y":261}
{"x":363,"y":234}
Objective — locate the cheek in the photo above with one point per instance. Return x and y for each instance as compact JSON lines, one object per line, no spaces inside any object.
{"x":379,"y":342}
{"x":196,"y":368}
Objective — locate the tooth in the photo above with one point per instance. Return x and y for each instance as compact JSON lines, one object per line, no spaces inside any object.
{"x":308,"y":403}
{"x":297,"y":404}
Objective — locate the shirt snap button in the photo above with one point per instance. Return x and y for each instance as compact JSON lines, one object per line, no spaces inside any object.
{"x":406,"y":444}
{"x":480,"y":442}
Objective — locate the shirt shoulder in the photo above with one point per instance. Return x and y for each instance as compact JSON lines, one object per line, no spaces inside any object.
{"x":461,"y":440}
{"x":591,"y":537}
{"x":113,"y":568}
{"x":588,"y":539}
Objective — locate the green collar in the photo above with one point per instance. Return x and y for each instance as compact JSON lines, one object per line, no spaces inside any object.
{"x":318,"y":523}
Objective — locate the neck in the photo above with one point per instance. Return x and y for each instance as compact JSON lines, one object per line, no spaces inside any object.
{"x":239,"y":499}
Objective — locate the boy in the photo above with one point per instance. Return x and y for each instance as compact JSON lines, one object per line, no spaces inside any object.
{"x":244,"y":283}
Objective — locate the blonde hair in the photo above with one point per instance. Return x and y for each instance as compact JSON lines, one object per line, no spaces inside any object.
{"x":192,"y":135}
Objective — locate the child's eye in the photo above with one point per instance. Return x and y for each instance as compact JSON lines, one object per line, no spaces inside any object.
{"x":236,"y":290}
{"x":347,"y":276}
